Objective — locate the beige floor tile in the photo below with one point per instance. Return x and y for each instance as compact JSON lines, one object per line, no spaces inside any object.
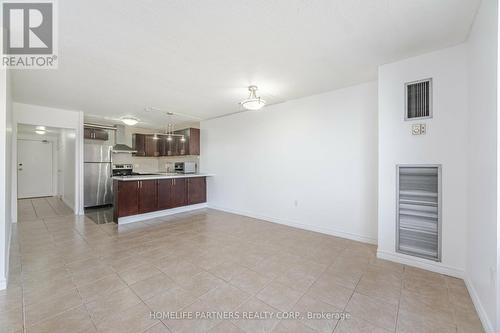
{"x":250,"y":281}
{"x":101,"y":287}
{"x":173,"y":299}
{"x":200,"y":283}
{"x":293,"y":326}
{"x":409,"y":322}
{"x":152,"y":286}
{"x":225,"y":297}
{"x":226,"y":270}
{"x":328,"y":290}
{"x":431,"y":307}
{"x":178,"y":269}
{"x":139,"y":273}
{"x":381,"y":286}
{"x":373,"y":311}
{"x":354,"y":325}
{"x":279,"y":296}
{"x":75,"y":320}
{"x":211,"y":260}
{"x":318,"y":315}
{"x":260,"y":322}
{"x":226,"y":327}
{"x":136,"y":318}
{"x":106,"y":306}
{"x":158,"y":328}
{"x":45,"y":308}
{"x":11,"y":320}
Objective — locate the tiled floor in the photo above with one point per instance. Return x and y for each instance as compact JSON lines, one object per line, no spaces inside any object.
{"x":69,"y":274}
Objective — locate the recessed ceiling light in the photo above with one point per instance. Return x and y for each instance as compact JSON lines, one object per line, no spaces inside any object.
{"x":41,"y":128}
{"x":130,"y":121}
{"x":253,"y":103}
{"x":41,"y":132}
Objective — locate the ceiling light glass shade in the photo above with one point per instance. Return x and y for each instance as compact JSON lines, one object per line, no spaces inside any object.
{"x":253,"y":102}
{"x":155,"y":137}
{"x":169,"y":138}
{"x":130,"y":121}
{"x":41,"y":132}
{"x":41,"y":128}
{"x":183,"y":139}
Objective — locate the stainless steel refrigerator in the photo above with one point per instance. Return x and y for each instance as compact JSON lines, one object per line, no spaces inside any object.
{"x":98,"y":181}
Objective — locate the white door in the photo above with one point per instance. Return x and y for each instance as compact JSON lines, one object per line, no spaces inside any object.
{"x":34,"y":169}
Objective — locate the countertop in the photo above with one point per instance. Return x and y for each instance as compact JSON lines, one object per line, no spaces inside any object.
{"x":161,"y":176}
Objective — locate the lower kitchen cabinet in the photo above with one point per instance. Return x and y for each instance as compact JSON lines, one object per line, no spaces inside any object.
{"x":134,"y":197}
{"x":196,"y":190}
{"x":147,"y":196}
{"x":126,"y":198}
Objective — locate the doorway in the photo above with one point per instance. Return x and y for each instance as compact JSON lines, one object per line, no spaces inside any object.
{"x":34,"y":168}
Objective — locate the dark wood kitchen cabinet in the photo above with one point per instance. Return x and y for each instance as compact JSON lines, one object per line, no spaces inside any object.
{"x":148,"y":199}
{"x":95,"y":134}
{"x":191,"y":143}
{"x":139,"y":144}
{"x":165,"y":194}
{"x":134,"y":197}
{"x":126,"y":200}
{"x":196,"y":190}
{"x":166,"y":147}
{"x":179,"y":192}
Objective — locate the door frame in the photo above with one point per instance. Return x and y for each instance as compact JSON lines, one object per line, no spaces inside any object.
{"x":50,"y":117}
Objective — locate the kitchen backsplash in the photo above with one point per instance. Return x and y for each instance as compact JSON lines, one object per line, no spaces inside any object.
{"x":153,"y":164}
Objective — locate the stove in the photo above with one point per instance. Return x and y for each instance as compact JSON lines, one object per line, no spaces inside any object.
{"x":123,"y":170}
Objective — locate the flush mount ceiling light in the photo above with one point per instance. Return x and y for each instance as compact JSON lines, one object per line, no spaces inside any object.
{"x":41,"y":132}
{"x":130,"y":121}
{"x":40,"y":128}
{"x":253,"y":102}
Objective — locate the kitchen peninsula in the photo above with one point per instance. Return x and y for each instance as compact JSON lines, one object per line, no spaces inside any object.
{"x":142,"y":197}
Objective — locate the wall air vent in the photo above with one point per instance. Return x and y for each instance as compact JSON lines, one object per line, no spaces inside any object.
{"x":418,"y":99}
{"x":418,"y":227}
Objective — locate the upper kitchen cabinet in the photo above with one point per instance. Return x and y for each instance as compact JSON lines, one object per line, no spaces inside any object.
{"x":146,"y":145}
{"x":149,"y":146}
{"x":191,"y":144}
{"x":95,"y":134}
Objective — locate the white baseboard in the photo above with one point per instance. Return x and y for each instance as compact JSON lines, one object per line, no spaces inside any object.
{"x":421,"y":263}
{"x":487,"y":325}
{"x":3,"y":283}
{"x":3,"y":280}
{"x":327,"y":231}
{"x":159,"y":213}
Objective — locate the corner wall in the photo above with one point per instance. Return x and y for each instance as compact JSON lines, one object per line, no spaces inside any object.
{"x":5,"y":174}
{"x":481,"y":239}
{"x":445,"y":143}
{"x":309,"y":163}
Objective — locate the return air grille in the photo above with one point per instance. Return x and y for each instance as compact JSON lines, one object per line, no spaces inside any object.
{"x":419,"y":211}
{"x":418,"y":99}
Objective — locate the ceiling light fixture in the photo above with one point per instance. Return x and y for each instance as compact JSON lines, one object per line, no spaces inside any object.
{"x":41,"y":132}
{"x":40,"y":128}
{"x":130,"y":121}
{"x":253,"y":103}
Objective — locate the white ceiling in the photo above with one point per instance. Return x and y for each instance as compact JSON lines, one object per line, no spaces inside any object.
{"x":198,"y":57}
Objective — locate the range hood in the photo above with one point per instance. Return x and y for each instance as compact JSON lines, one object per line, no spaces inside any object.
{"x":120,"y":146}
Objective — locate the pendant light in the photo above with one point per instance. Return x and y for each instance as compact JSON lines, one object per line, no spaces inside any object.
{"x":253,"y":103}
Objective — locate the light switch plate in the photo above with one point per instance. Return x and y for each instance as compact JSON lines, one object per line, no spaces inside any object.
{"x":418,"y":129}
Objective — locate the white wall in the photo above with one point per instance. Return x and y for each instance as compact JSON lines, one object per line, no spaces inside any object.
{"x":67,"y":150}
{"x":482,"y":161}
{"x":60,"y":118}
{"x":5,"y":174}
{"x":445,"y":143}
{"x":319,"y":151}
